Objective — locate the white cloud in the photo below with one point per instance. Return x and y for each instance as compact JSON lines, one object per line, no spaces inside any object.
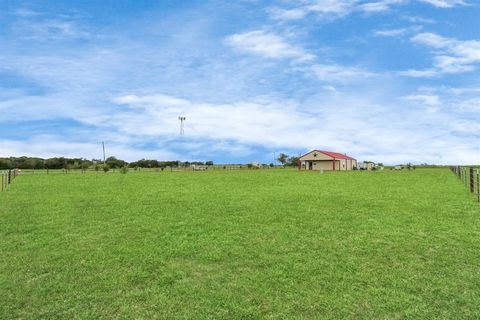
{"x":391,"y":32}
{"x":334,"y":9}
{"x":255,"y":122}
{"x":426,"y":73}
{"x":427,"y":99}
{"x":267,"y":44}
{"x":433,"y":40}
{"x":273,"y":46}
{"x":450,"y":55}
{"x":329,"y":9}
{"x":290,"y":14}
{"x":396,"y":32}
{"x":379,"y":6}
{"x":339,"y":73}
{"x":158,"y":99}
{"x":418,"y":19}
{"x":445,"y":3}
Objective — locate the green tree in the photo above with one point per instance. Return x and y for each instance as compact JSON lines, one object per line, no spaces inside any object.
{"x":5,"y":163}
{"x":293,"y":161}
{"x":282,"y":158}
{"x":114,"y":163}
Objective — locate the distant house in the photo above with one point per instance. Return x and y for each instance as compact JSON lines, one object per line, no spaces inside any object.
{"x":254,"y":165}
{"x":327,"y":161}
{"x":366,"y":165}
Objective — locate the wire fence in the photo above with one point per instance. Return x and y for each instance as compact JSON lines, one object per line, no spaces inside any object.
{"x":7,"y":178}
{"x":470,"y":176}
{"x":164,"y":169}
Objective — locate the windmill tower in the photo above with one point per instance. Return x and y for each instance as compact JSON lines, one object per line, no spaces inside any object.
{"x":182,"y":120}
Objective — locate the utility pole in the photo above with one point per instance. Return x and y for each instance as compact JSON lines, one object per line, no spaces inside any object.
{"x":103,"y":147}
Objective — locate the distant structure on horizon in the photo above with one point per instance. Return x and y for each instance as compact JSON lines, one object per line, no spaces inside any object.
{"x":182,"y":120}
{"x":327,"y":161}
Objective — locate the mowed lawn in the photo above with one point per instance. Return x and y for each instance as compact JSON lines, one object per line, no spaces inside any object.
{"x":240,"y":244}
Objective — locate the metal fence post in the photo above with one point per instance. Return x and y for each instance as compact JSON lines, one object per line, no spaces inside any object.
{"x":472,"y":181}
{"x":478,"y":185}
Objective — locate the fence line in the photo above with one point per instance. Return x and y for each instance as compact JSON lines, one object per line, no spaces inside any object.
{"x":167,"y":169}
{"x":8,"y":177}
{"x":470,"y":176}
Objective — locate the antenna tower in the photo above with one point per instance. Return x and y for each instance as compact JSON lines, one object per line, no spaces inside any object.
{"x":182,"y":120}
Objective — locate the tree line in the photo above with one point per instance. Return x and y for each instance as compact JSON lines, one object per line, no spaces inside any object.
{"x":82,"y":163}
{"x":110,"y":162}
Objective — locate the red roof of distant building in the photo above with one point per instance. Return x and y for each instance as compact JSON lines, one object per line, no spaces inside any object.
{"x":335,"y":155}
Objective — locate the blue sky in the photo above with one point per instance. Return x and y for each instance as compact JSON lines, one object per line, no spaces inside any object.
{"x":390,"y":81}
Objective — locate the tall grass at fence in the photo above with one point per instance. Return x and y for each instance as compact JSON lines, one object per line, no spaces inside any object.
{"x":7,"y":178}
{"x":470,"y":176}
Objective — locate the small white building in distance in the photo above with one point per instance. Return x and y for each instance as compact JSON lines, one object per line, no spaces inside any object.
{"x":366,"y":165}
{"x":327,"y":161}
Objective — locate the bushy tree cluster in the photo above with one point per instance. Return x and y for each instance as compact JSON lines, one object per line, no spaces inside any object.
{"x":39,"y":163}
{"x":144,"y":163}
{"x":287,"y":160}
{"x":115,"y":163}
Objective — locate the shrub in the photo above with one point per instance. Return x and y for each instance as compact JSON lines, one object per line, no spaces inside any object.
{"x":106,"y":168}
{"x":124,"y":169}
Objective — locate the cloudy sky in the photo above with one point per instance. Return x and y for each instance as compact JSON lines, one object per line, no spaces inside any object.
{"x":390,"y":81}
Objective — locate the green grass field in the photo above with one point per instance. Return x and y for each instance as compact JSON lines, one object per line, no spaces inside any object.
{"x":240,"y":244}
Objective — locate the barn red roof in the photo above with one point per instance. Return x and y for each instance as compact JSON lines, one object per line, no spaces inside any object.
{"x":335,"y":155}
